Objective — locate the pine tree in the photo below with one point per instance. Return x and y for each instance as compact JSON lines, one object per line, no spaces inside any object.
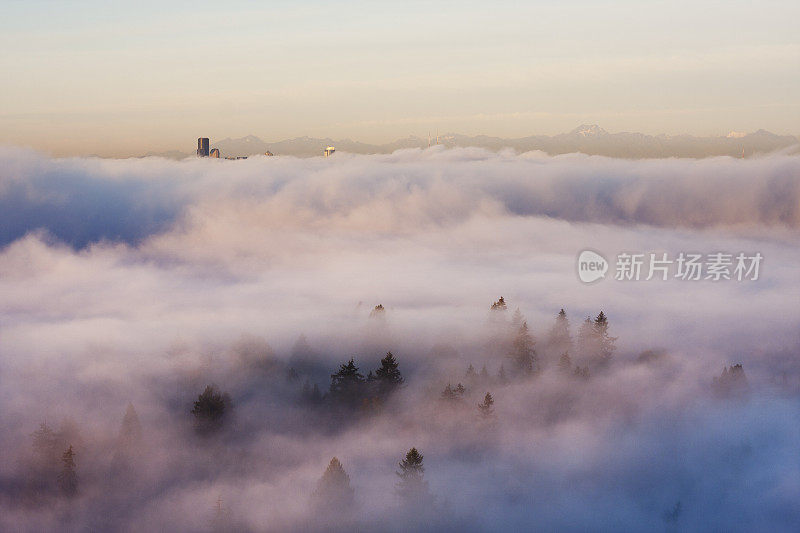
{"x":604,"y":342}
{"x":470,"y":374}
{"x":448,"y":393}
{"x":499,"y":305}
{"x":388,"y":375}
{"x":347,"y":384}
{"x":501,"y":375}
{"x":68,"y":478}
{"x":559,"y":339}
{"x":378,"y":312}
{"x":128,"y":444}
{"x":459,"y":390}
{"x":523,"y":353}
{"x":517,"y":319}
{"x":732,"y":382}
{"x":130,"y":432}
{"x":484,"y":375}
{"x":565,"y":363}
{"x":582,"y":373}
{"x":210,"y":410}
{"x":485,"y":408}
{"x":333,"y":492}
{"x":586,"y":339}
{"x":46,"y":444}
{"x":412,"y":487}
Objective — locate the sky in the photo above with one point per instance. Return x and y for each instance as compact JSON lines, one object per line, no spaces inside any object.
{"x":125,"y":78}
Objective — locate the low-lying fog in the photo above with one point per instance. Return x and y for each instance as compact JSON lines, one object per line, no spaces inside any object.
{"x":129,"y":286}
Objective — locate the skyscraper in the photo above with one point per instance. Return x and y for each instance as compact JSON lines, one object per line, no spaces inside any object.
{"x":329,"y":151}
{"x":202,"y":147}
{"x":214,"y":153}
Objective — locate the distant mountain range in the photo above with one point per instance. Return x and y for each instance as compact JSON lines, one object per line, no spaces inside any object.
{"x":587,"y":138}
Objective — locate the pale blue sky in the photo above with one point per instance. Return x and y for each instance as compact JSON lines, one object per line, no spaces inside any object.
{"x":124,"y":78}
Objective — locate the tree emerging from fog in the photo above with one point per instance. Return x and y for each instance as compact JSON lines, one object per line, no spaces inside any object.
{"x":333,"y":492}
{"x":523,"y":354}
{"x":210,"y":410}
{"x":412,"y":488}
{"x":68,"y":477}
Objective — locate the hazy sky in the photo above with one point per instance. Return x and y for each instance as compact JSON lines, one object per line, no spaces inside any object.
{"x":124,"y":78}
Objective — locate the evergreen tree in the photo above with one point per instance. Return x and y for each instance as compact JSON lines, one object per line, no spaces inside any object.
{"x":523,"y":353}
{"x":210,"y":410}
{"x":128,"y":443}
{"x":565,"y":363}
{"x":517,"y":319}
{"x":501,"y":375}
{"x":412,"y":487}
{"x":378,"y":312}
{"x":460,"y":390}
{"x":586,"y":339}
{"x":449,"y":394}
{"x":499,"y":305}
{"x":388,"y":375}
{"x":485,"y":408}
{"x":221,"y":520}
{"x":46,"y":445}
{"x":484,"y":375}
{"x":603,"y":341}
{"x":559,"y":339}
{"x":68,"y":478}
{"x":333,"y":492}
{"x":470,"y":374}
{"x":130,"y":432}
{"x":347,"y":384}
{"x":732,"y":382}
{"x":582,"y":373}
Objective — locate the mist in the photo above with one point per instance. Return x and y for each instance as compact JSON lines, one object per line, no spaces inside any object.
{"x":141,"y":282}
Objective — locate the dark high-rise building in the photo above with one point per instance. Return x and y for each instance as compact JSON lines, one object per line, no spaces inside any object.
{"x":202,"y":147}
{"x":214,"y":153}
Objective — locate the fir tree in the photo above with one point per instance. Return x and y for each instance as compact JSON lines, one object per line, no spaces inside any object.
{"x":484,"y":375}
{"x":559,"y":339}
{"x":586,"y":338}
{"x":517,"y":319}
{"x":523,"y":353}
{"x":485,"y":408}
{"x":46,"y":445}
{"x":470,"y":374}
{"x":582,"y":373}
{"x":333,"y":492}
{"x":732,"y":382}
{"x":347,"y":384}
{"x":565,"y":363}
{"x":388,"y":375}
{"x":68,"y":478}
{"x":448,"y":393}
{"x":501,"y":375}
{"x":603,"y":341}
{"x":459,"y":390}
{"x":210,"y":410}
{"x":130,"y":431}
{"x":499,"y":305}
{"x":412,"y":487}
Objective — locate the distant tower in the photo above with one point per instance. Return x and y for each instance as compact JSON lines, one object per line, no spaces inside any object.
{"x":268,"y":153}
{"x":329,"y":151}
{"x":202,"y":147}
{"x":214,"y":153}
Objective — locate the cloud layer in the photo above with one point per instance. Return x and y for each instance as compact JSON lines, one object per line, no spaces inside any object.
{"x":142,"y":281}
